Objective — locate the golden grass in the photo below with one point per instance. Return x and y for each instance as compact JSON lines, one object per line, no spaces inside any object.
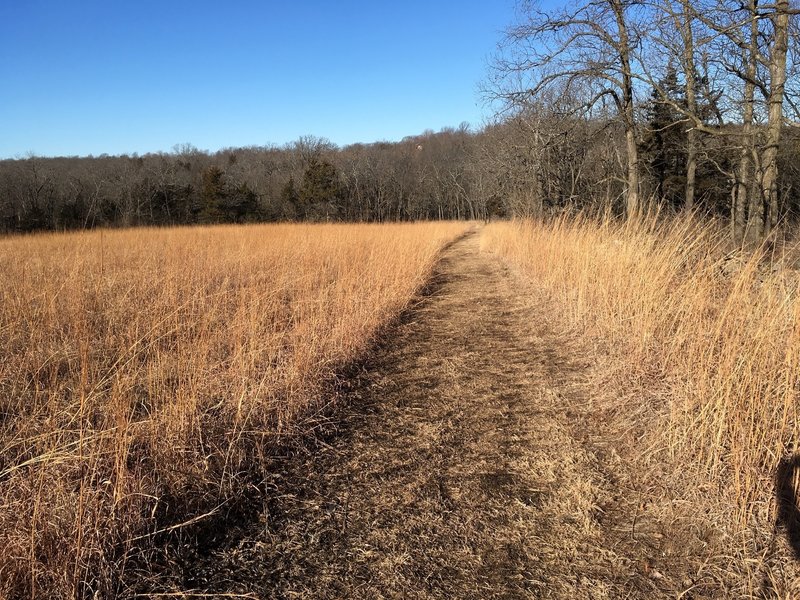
{"x":145,"y":373}
{"x":716,"y":332}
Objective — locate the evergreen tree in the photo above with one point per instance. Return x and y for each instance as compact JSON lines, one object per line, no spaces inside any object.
{"x":240,"y":205}
{"x":663,"y":148}
{"x":289,"y":200}
{"x":212,"y":195}
{"x":321,"y":195}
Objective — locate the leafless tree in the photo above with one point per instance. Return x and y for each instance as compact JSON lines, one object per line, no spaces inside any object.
{"x":586,"y":51}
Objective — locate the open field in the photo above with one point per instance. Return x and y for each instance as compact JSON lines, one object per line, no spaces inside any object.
{"x":574,"y":408}
{"x":143,"y":373}
{"x":543,"y":342}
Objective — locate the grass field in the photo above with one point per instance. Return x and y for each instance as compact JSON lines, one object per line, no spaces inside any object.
{"x":145,"y":374}
{"x":701,"y":352}
{"x":147,"y":377}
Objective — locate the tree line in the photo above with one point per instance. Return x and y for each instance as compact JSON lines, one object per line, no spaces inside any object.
{"x":703,"y":94}
{"x":611,"y":104}
{"x":429,"y":176}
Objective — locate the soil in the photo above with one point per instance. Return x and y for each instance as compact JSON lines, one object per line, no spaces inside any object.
{"x":457,"y":466}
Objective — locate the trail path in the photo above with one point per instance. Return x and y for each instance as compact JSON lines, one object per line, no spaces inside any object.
{"x":455,"y":472}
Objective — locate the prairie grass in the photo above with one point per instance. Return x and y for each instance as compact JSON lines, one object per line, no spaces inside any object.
{"x":705,"y":341}
{"x":145,"y":374}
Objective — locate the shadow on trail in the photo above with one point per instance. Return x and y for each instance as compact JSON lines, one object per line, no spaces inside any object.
{"x":173,"y":558}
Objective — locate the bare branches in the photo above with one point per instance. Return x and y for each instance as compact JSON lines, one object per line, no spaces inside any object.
{"x":584,"y":54}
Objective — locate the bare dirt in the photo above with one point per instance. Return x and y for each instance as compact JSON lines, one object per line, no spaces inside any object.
{"x":458,"y":466}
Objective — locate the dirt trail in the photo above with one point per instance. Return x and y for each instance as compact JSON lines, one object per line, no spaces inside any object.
{"x":455,"y":470}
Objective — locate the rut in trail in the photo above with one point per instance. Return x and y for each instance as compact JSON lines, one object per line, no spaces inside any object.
{"x":454,"y":472}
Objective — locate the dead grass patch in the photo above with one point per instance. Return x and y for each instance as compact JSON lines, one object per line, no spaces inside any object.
{"x":146,"y":374}
{"x":699,"y":352}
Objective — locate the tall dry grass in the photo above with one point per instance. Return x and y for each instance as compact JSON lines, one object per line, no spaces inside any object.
{"x":717,"y":331}
{"x":144,"y":374}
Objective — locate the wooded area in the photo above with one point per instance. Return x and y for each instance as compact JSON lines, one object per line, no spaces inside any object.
{"x":616,"y":104}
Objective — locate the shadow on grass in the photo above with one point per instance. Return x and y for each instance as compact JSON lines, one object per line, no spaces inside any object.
{"x":786,"y":497}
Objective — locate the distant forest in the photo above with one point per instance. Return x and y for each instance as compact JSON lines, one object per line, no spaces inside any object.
{"x":453,"y":174}
{"x":616,"y":105}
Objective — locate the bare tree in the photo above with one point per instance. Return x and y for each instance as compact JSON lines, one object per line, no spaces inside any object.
{"x":585,"y":51}
{"x":685,"y":26}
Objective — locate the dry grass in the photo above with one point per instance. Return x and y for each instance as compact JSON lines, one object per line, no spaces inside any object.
{"x":456,"y":475}
{"x":706,"y":347}
{"x":145,"y":373}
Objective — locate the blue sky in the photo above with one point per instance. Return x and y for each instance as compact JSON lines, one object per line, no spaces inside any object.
{"x":112,"y":76}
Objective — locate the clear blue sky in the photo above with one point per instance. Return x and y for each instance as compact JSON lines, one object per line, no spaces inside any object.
{"x":112,"y":76}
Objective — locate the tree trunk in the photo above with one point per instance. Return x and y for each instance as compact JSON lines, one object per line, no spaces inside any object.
{"x":691,"y":168}
{"x":632,"y":196}
{"x":777,"y":72}
{"x":691,"y":102}
{"x":632,"y":204}
{"x":747,"y":226}
{"x":755,"y":204}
